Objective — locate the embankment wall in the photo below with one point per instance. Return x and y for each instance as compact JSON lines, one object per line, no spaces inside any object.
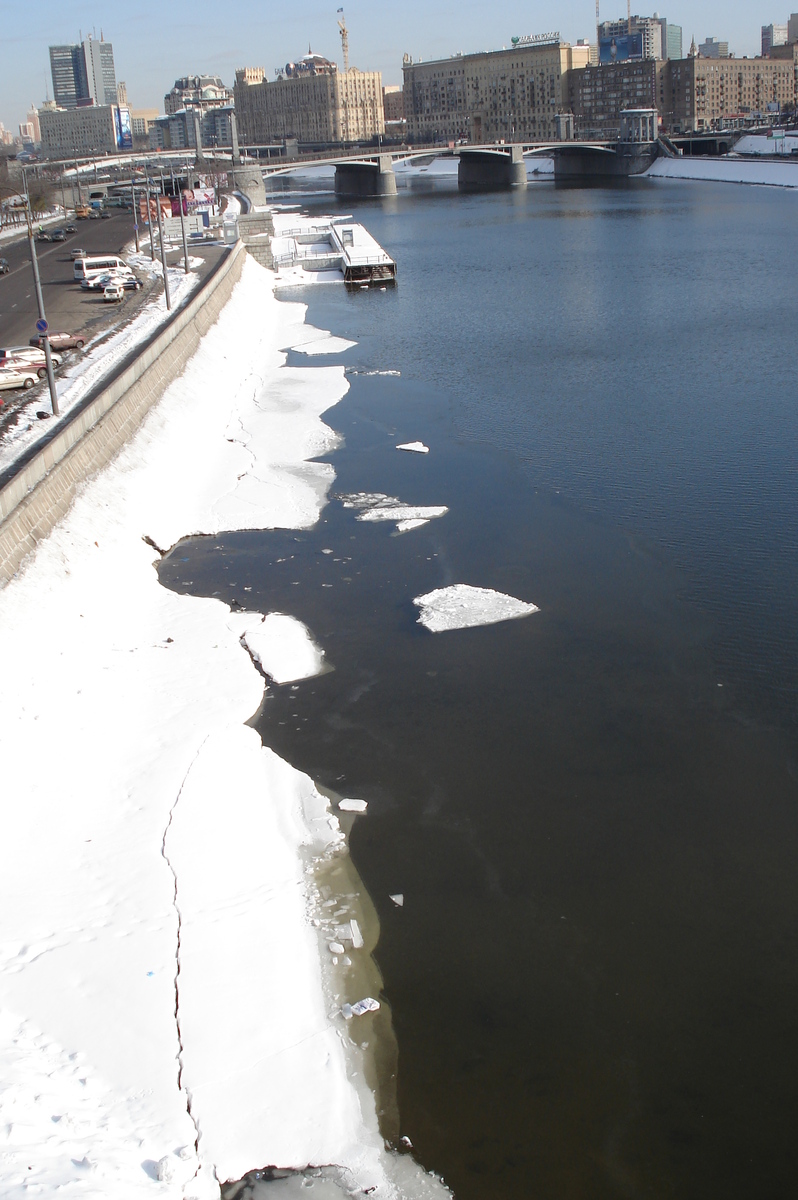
{"x":41,"y":492}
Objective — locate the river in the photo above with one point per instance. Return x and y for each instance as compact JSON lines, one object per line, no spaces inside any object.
{"x":591,"y":813}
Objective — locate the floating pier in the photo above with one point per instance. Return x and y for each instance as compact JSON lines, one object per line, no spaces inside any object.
{"x":332,"y":244}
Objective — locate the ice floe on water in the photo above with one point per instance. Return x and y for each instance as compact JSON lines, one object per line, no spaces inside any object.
{"x":462,"y":607}
{"x":376,"y":506}
{"x":324,"y":345}
{"x":280,"y":645}
{"x":363,"y":371}
{"x":417,"y":447}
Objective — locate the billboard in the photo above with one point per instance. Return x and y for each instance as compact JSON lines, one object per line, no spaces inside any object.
{"x":620,"y":49}
{"x":123,"y":127}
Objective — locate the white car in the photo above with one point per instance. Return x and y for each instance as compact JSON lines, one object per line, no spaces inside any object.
{"x":114,"y":293}
{"x":17,"y":375}
{"x":29,"y":354}
{"x":98,"y":283}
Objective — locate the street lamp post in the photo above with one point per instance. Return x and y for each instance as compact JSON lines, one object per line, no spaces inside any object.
{"x":182,"y":226}
{"x":48,"y":358}
{"x":163,"y":250}
{"x":149,"y":218}
{"x":135,"y":214}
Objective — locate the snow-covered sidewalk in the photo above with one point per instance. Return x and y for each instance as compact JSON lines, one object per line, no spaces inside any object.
{"x":163,"y":1018}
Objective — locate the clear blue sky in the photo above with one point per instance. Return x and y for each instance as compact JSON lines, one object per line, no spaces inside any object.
{"x":154,"y":43}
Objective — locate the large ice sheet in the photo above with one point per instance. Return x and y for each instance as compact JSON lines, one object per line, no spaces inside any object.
{"x":161,"y":1013}
{"x":462,"y":606}
{"x":281,"y":646}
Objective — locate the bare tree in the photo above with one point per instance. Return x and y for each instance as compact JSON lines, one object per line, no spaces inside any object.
{"x":40,"y":195}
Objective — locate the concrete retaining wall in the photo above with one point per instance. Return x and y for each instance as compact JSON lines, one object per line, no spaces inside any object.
{"x":35,"y":499}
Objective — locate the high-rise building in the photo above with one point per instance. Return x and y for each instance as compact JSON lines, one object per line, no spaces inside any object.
{"x":637,"y":37}
{"x":68,"y":69}
{"x":773,"y":35}
{"x":712,"y":48}
{"x":792,"y":28}
{"x":100,"y":73}
{"x":83,"y":73}
{"x":671,"y":39}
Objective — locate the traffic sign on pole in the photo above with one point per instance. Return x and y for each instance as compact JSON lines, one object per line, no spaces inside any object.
{"x":41,"y":325}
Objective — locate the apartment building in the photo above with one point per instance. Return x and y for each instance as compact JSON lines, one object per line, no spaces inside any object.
{"x":318,"y":107}
{"x":703,"y":93}
{"x":597,"y":95}
{"x":511,"y":95}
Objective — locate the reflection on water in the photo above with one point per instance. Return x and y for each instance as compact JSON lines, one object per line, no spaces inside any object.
{"x":591,"y":813}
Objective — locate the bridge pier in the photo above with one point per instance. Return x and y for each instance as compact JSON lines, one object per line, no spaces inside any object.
{"x":492,"y":168}
{"x":367,"y":178}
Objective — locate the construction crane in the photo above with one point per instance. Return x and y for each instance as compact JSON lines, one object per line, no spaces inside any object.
{"x":344,"y":37}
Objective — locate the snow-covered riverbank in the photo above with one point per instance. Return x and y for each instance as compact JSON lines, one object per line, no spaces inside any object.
{"x":164,"y":1024}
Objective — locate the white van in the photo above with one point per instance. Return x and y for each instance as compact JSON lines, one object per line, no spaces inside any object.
{"x":89,"y":268}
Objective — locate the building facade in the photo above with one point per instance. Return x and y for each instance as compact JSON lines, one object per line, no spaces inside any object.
{"x":393,"y":102}
{"x":197,"y":91}
{"x":318,"y":109}
{"x":597,"y":95}
{"x":712,"y":48}
{"x":510,"y":95}
{"x":703,"y":94}
{"x":176,"y":131}
{"x":773,"y":35}
{"x":79,"y":131}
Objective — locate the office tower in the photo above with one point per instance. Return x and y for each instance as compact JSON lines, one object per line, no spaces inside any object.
{"x":68,"y":68}
{"x":83,"y":73}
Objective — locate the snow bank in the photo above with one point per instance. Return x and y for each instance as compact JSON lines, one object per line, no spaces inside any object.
{"x":162,"y":1012}
{"x":726,"y":170}
{"x":757,"y":143}
{"x":462,"y":606}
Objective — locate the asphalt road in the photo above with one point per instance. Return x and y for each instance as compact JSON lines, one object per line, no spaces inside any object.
{"x":68,"y":308}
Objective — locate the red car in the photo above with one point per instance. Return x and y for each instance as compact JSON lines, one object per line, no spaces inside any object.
{"x":60,"y":341}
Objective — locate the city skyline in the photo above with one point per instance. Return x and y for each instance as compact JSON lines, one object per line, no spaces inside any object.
{"x":156,"y":46}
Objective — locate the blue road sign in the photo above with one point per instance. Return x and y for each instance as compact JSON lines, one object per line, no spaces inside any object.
{"x":41,"y":325}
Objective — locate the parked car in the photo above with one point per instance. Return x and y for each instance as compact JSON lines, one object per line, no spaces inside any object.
{"x":114,"y":293}
{"x":17,"y":375}
{"x":96,"y":283}
{"x":58,"y":235}
{"x":4,"y":267}
{"x":78,"y":254}
{"x":29,"y":355}
{"x":129,"y":282}
{"x":60,"y":341}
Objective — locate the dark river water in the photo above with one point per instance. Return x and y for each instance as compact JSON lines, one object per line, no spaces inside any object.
{"x":592,"y":813}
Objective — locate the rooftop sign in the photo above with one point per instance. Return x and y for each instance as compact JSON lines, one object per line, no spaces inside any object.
{"x":536,"y":39}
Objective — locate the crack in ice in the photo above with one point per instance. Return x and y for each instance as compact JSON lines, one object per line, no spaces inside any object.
{"x":179,"y":916}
